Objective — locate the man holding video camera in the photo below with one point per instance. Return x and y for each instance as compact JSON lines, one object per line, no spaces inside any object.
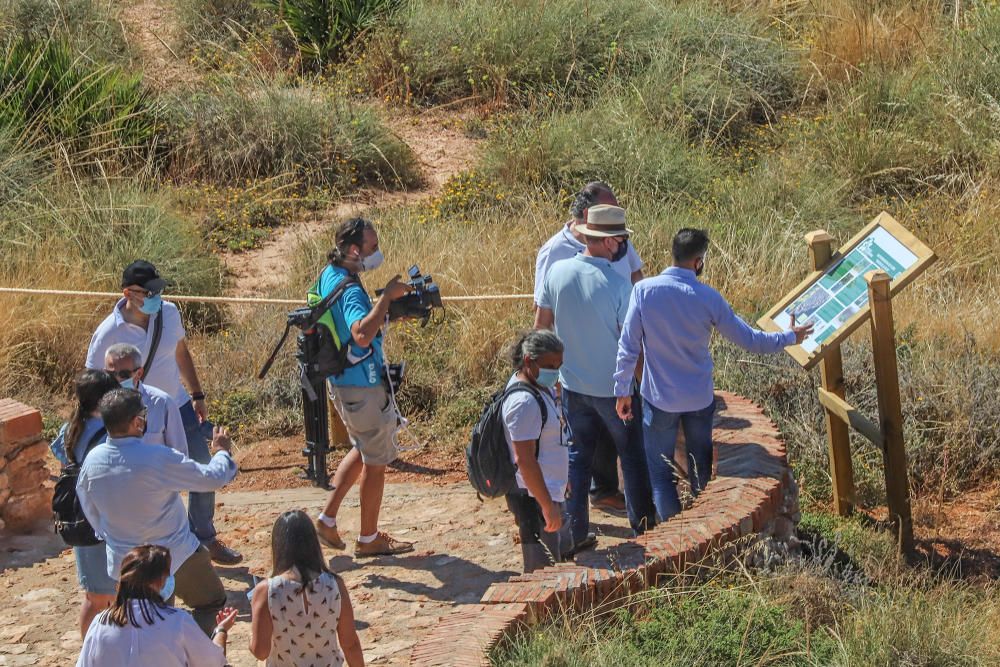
{"x":359,"y":393}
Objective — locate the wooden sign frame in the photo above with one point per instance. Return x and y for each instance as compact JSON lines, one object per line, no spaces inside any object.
{"x":925,"y":257}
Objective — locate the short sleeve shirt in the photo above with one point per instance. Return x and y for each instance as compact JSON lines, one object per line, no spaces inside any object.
{"x":352,"y":306}
{"x":165,"y":374}
{"x":523,"y":421}
{"x":564,"y":245}
{"x":174,"y":640}
{"x":589,"y":300}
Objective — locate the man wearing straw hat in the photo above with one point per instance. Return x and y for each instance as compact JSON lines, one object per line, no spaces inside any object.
{"x":585,"y":299}
{"x":564,"y":244}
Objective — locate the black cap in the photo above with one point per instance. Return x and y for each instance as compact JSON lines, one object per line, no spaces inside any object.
{"x":143,"y":274}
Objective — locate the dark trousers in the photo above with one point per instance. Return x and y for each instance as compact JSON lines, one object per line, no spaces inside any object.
{"x":590,"y":418}
{"x":605,"y":468}
{"x":538,"y":548}
{"x":199,"y":586}
{"x":201,"y":506}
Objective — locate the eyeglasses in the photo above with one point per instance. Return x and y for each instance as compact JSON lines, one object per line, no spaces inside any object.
{"x":124,"y":374}
{"x":143,"y":292}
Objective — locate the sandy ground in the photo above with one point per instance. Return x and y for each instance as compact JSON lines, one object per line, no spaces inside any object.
{"x":463,"y":546}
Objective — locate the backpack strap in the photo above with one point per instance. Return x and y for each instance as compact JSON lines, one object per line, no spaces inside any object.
{"x":157,"y":333}
{"x":527,"y":387}
{"x":95,"y":440}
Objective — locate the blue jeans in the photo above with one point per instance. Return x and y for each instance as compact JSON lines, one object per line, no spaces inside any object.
{"x":201,"y":506}
{"x":659,"y":430}
{"x":592,"y":418}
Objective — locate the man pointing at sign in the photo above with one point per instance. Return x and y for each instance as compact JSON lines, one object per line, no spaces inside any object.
{"x":670,"y":319}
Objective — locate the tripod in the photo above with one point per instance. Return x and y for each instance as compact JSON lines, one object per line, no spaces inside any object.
{"x":316,"y":413}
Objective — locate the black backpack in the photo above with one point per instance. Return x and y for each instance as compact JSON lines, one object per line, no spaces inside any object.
{"x":70,"y":522}
{"x":487,"y":458}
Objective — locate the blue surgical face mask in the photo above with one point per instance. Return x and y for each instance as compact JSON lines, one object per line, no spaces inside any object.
{"x":168,"y":588}
{"x":547,"y":377}
{"x":151,"y":304}
{"x":127,"y":384}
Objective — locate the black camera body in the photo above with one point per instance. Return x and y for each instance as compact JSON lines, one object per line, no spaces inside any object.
{"x":420,"y":302}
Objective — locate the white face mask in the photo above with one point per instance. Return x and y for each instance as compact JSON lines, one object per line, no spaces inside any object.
{"x":373,"y":261}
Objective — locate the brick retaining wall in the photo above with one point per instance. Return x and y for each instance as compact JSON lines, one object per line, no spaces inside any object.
{"x":753,"y":494}
{"x":25,"y":489}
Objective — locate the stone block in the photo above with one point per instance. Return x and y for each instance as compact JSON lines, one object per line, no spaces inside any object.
{"x":18,"y":423}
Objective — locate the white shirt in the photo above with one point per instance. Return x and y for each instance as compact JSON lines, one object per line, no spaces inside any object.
{"x":164,"y":425}
{"x":564,"y":245}
{"x":523,"y":421}
{"x":165,"y":374}
{"x":172,"y":641}
{"x":130,"y":493}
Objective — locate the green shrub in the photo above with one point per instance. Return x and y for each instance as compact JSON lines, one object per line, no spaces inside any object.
{"x":220,"y":21}
{"x":305,"y":134}
{"x":610,"y":142}
{"x":96,"y":114}
{"x":323,"y":28}
{"x":89,"y":27}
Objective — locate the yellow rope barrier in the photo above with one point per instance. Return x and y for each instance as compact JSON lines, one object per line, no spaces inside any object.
{"x":231,"y":299}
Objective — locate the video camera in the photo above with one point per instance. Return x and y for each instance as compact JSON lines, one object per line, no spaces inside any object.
{"x":420,"y":302}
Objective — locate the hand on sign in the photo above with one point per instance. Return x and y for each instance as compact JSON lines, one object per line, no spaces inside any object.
{"x":801,"y":332}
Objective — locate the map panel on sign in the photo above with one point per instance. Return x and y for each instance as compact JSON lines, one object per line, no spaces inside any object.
{"x":842,"y":291}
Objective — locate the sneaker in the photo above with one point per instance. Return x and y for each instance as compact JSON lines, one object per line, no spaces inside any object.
{"x":329,"y":536}
{"x":222,"y":554}
{"x":613,"y":504}
{"x":383,"y":545}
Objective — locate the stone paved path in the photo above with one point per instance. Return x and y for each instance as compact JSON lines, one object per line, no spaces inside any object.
{"x":462,"y":546}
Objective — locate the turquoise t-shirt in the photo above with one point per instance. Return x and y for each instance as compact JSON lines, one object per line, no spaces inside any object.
{"x":353,"y":305}
{"x":589,"y":299}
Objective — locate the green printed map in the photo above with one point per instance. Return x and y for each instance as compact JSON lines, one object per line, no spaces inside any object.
{"x":842,"y":291}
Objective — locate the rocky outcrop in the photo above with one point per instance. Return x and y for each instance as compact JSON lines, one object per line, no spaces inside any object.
{"x":25,"y":486}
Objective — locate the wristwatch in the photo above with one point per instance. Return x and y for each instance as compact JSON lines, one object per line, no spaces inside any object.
{"x":219,"y":630}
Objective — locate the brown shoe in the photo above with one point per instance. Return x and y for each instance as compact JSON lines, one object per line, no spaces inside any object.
{"x":329,"y":536}
{"x":222,"y":554}
{"x":383,"y":545}
{"x":613,"y":504}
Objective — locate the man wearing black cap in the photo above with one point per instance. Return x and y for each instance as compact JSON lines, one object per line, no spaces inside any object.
{"x":141,"y":318}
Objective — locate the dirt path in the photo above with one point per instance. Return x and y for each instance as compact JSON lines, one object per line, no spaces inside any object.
{"x":442,"y":149}
{"x":153,"y":29}
{"x":462,"y":547}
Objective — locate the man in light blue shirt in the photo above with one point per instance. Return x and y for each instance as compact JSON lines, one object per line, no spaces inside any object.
{"x":670,"y":320}
{"x":130,"y":493}
{"x":585,"y":299}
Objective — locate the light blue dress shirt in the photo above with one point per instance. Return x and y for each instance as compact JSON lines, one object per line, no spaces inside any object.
{"x":670,"y":318}
{"x":589,"y":299}
{"x":130,"y":493}
{"x":563,"y":245}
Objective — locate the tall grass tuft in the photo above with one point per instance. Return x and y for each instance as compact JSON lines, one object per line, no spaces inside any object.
{"x":264,"y":130}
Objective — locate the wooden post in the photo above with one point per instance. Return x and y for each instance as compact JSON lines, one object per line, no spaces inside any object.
{"x":832,"y":379}
{"x":890,"y":409}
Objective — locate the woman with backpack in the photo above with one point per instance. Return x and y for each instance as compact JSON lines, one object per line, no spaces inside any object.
{"x":539,"y":439}
{"x":76,"y":438}
{"x":302,"y":615}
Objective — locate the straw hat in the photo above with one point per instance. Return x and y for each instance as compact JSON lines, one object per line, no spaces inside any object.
{"x":604,"y":220}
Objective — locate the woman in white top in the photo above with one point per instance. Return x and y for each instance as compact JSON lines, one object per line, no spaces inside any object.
{"x":539,"y":447}
{"x":302,"y":615}
{"x":141,"y":630}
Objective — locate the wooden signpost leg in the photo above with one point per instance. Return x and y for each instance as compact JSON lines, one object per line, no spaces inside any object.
{"x":889,"y":406}
{"x":832,"y":379}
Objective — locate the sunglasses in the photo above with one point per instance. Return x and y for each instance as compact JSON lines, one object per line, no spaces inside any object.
{"x":143,"y":292}
{"x":123,"y":374}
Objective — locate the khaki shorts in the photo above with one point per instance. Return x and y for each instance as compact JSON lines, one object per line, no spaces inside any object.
{"x":370,"y":419}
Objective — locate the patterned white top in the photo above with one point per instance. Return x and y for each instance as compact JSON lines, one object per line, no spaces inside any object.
{"x":305,"y":635}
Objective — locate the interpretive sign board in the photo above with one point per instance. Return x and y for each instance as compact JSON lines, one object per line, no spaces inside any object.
{"x":835,"y":298}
